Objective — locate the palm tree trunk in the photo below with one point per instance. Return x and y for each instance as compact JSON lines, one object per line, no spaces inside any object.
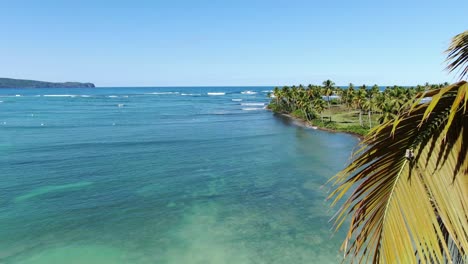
{"x":370,"y":119}
{"x":360,"y":117}
{"x":304,"y":114}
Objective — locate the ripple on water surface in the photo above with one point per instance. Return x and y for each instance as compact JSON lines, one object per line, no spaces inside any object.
{"x":184,"y":176}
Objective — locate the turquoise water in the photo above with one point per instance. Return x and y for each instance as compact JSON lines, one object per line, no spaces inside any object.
{"x":162,"y":175}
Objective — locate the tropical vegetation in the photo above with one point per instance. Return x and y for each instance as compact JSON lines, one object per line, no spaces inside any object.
{"x":406,"y":192}
{"x":351,"y":109}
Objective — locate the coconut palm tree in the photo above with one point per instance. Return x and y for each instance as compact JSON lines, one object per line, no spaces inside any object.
{"x":349,"y":94}
{"x":319,"y":105}
{"x":328,"y":87}
{"x":370,"y":103}
{"x":408,"y":183}
{"x":359,"y":99}
{"x":458,"y":54}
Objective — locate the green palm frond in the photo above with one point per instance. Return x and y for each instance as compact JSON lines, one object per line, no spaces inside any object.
{"x":408,"y":185}
{"x":458,"y":54}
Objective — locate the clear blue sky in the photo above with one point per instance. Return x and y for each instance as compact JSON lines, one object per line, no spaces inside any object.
{"x":242,"y":42}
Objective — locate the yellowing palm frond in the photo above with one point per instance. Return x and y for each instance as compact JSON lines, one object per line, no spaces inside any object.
{"x":458,"y":54}
{"x":408,"y":185}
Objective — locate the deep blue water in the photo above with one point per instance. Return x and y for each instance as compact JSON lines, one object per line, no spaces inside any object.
{"x":162,"y":175}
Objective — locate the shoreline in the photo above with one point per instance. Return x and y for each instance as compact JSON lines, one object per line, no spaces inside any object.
{"x":308,"y":125}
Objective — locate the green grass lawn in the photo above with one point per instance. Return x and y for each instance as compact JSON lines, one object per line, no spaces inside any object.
{"x":339,"y":117}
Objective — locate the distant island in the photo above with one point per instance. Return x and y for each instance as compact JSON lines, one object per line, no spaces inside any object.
{"x":18,"y":83}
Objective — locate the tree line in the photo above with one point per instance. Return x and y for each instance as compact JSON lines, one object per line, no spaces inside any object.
{"x":309,"y":102}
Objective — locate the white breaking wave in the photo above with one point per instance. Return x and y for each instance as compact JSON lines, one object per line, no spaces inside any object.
{"x":236,"y":100}
{"x":252,"y":109}
{"x":85,"y":95}
{"x":59,"y":95}
{"x":252,"y":104}
{"x":216,"y":93}
{"x":248,"y":92}
{"x":267,"y":91}
{"x":163,"y":93}
{"x":190,"y":94}
{"x":18,"y":95}
{"x":112,"y":96}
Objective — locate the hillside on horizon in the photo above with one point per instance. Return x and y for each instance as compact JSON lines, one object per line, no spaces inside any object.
{"x":21,"y":83}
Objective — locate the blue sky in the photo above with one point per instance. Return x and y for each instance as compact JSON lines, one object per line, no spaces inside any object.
{"x":184,"y":43}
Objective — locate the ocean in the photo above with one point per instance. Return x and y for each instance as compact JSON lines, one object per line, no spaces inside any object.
{"x":163,"y":175}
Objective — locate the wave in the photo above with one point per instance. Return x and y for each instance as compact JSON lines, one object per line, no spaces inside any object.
{"x":236,"y":100}
{"x":267,"y":91}
{"x":85,"y":95}
{"x":190,"y":94}
{"x":252,"y":109}
{"x":112,"y":96}
{"x":248,"y":92}
{"x":252,"y":104}
{"x":1,"y":101}
{"x":59,"y":95}
{"x":213,"y":93}
{"x":163,"y":93}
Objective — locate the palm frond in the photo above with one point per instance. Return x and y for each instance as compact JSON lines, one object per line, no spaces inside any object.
{"x":458,"y":54}
{"x":408,"y":185}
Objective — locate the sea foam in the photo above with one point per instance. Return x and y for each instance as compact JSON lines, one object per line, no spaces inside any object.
{"x":252,"y":104}
{"x":60,"y":95}
{"x":248,"y":92}
{"x":215,"y":93}
{"x":158,"y":93}
{"x":252,"y":109}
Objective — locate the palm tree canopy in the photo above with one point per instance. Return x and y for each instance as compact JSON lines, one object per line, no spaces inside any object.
{"x":411,"y":200}
{"x":328,"y":84}
{"x":458,"y":54}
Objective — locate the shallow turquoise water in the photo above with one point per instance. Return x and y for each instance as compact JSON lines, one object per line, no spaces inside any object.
{"x":162,"y":175}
